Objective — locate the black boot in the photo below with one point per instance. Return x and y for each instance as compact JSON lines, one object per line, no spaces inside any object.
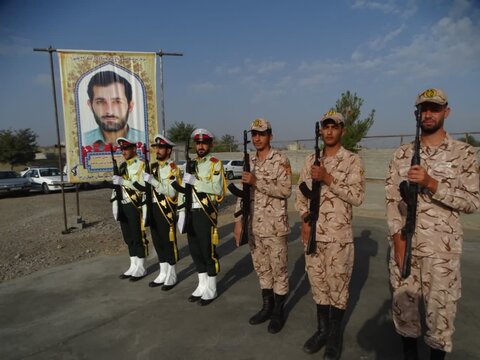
{"x":319,"y":338}
{"x":266,"y":311}
{"x":334,"y":340}
{"x":277,"y":320}
{"x":410,"y":351}
{"x":436,"y":354}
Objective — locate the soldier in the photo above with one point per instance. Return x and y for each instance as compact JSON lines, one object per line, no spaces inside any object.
{"x":207,"y":179}
{"x":164,"y":198}
{"x":329,"y":268}
{"x":449,"y":183}
{"x":130,"y":179}
{"x":271,"y":186}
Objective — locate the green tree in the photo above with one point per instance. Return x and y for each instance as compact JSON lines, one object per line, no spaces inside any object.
{"x":469,"y":139}
{"x":17,"y":147}
{"x":180,"y":132}
{"x":355,"y":129}
{"x":227,"y":143}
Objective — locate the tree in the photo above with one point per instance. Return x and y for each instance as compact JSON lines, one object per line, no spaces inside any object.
{"x":17,"y":147}
{"x":469,"y":139}
{"x":180,"y":132}
{"x":349,"y":106}
{"x":227,"y":143}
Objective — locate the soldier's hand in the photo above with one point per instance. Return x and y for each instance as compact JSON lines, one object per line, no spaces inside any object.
{"x":249,"y":178}
{"x":147,"y":178}
{"x":189,"y":179}
{"x":117,"y":180}
{"x":399,"y":245}
{"x":237,"y":232}
{"x":419,"y":175}
{"x":305,"y":232}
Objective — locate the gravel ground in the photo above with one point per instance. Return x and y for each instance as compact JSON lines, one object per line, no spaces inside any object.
{"x":32,"y":228}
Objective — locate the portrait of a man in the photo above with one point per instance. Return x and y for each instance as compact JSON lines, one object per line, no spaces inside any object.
{"x":111,"y":103}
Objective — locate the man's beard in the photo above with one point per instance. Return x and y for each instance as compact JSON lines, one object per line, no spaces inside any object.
{"x":432,"y":129}
{"x":202,"y":153}
{"x":111,"y":126}
{"x":161,"y":157}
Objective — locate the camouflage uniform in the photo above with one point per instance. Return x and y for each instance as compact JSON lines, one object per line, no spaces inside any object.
{"x":329,"y":269}
{"x":269,"y":225}
{"x":437,"y":242}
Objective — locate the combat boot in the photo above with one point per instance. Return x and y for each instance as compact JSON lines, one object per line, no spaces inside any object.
{"x":277,"y":319}
{"x":266,"y":311}
{"x":319,"y":338}
{"x":437,"y":354}
{"x":334,"y":340}
{"x":410,"y":351}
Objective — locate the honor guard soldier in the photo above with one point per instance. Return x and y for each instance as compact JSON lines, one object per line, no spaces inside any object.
{"x":270,"y":180}
{"x":164,"y":204}
{"x":340,"y":176}
{"x":129,"y":183}
{"x":205,"y":177}
{"x":448,"y":182}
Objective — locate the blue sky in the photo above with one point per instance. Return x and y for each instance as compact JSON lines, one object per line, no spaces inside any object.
{"x":287,"y":61}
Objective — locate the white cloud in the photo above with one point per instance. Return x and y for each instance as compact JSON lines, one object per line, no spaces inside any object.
{"x":382,"y":41}
{"x":206,"y":86}
{"x":402,"y":8}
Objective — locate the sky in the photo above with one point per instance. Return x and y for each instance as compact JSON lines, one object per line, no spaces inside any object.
{"x":286,"y":61}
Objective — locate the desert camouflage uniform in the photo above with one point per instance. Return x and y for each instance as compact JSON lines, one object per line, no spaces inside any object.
{"x":329,"y":269}
{"x":269,"y":220}
{"x":437,"y":243}
{"x":133,"y":230}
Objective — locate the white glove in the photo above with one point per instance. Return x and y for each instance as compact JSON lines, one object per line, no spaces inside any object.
{"x":189,"y":179}
{"x":148,"y":178}
{"x":180,"y":221}
{"x":117,"y":180}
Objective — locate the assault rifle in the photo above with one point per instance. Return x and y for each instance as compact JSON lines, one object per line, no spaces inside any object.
{"x":148,"y":188}
{"x":314,"y":197}
{"x":117,"y":188}
{"x":409,"y":192}
{"x":186,"y":190}
{"x":244,"y":194}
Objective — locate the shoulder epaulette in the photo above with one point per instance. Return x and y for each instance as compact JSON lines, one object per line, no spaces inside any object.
{"x":213,"y":159}
{"x":173,"y":165}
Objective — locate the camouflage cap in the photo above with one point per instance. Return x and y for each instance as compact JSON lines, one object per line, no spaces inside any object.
{"x":333,"y":115}
{"x":433,"y":95}
{"x":260,"y":124}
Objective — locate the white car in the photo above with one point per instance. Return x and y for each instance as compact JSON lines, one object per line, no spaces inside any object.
{"x":232,"y":168}
{"x":47,"y":179}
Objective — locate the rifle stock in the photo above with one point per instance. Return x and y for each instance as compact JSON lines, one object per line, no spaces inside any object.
{"x":314,"y":197}
{"x":117,"y":188}
{"x":148,"y":189}
{"x":409,"y":191}
{"x":244,"y":194}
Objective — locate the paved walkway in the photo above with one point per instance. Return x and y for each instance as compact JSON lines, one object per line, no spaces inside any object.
{"x":83,"y":311}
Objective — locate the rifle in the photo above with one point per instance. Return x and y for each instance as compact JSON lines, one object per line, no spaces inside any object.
{"x":117,"y":188}
{"x":409,"y":192}
{"x":244,"y":194}
{"x":187,"y":189}
{"x":148,"y":189}
{"x":314,"y":197}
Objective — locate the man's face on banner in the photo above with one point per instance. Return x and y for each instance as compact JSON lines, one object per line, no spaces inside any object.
{"x":110,"y":107}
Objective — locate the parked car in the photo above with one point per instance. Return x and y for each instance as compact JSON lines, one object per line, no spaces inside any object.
{"x":47,"y":179}
{"x":12,"y":183}
{"x":232,"y":168}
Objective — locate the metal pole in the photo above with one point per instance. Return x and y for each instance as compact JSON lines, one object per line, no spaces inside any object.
{"x":161,"y":54}
{"x":50,"y":51}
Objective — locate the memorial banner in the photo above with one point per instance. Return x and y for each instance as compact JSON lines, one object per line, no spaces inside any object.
{"x":106,"y":95}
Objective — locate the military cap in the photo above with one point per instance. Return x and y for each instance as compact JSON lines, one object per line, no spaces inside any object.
{"x":333,"y":115}
{"x":202,"y":135}
{"x":260,"y":125}
{"x":160,"y":140}
{"x":124,"y":142}
{"x":433,"y":95}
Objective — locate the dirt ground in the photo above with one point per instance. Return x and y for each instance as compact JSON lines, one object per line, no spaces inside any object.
{"x":32,"y":229}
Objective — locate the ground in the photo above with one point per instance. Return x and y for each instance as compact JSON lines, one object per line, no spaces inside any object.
{"x":32,"y":229}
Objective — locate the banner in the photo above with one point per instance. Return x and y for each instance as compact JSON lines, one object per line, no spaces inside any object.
{"x":105,"y":95}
